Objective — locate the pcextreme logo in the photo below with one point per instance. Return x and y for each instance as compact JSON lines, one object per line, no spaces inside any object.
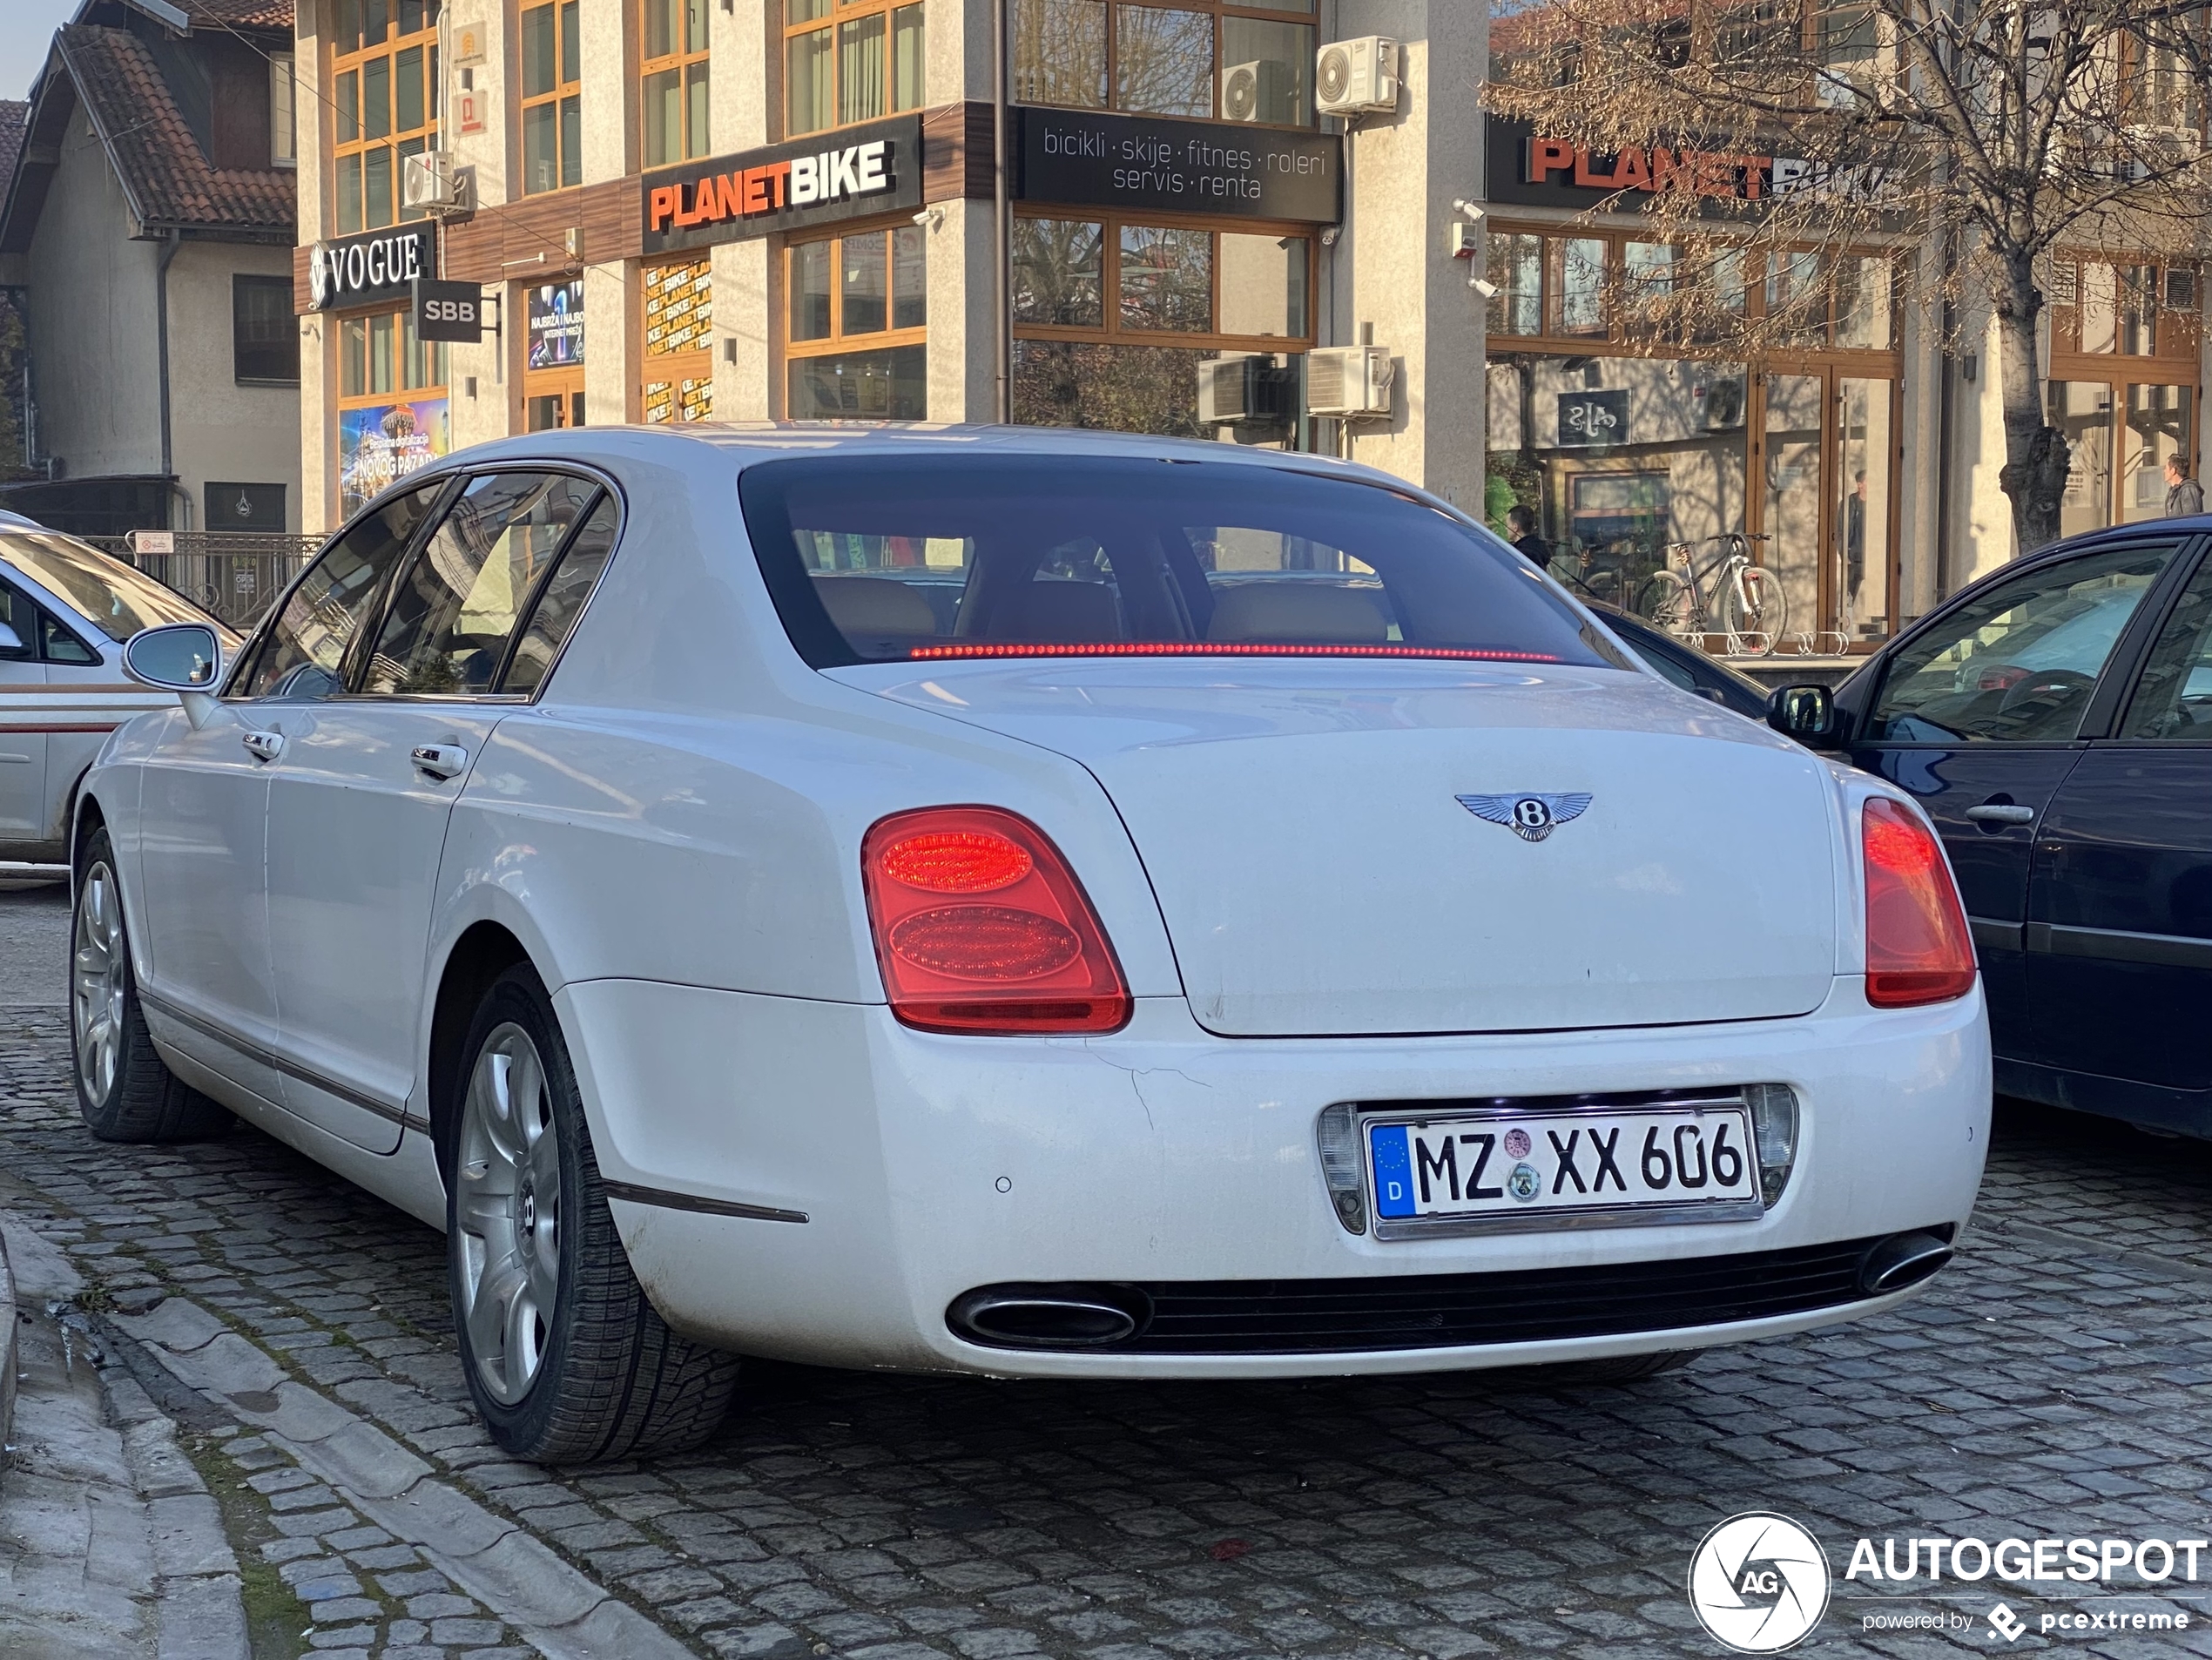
{"x":1759,"y":1583}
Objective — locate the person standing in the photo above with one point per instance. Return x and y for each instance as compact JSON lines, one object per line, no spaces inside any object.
{"x":2184,"y":495}
{"x":1521,"y":523}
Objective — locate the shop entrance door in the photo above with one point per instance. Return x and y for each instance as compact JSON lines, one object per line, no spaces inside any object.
{"x":553,"y":398}
{"x":1826,"y":464}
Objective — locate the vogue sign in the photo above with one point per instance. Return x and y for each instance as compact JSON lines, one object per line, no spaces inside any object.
{"x":379,"y":266}
{"x":784,"y":186}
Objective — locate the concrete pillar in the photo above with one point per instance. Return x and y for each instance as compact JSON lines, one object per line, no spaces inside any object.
{"x":1404,"y":171}
{"x":318,"y":334}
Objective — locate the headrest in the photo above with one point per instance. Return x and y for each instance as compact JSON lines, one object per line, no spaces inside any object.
{"x":1059,"y":611}
{"x":1302,"y":611}
{"x":876,"y":605}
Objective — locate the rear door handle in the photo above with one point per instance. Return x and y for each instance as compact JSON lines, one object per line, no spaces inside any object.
{"x":263,"y":746}
{"x":441,"y":761}
{"x":2001,"y":814}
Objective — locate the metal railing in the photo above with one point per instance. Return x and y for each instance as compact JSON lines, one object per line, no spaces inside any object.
{"x":235,"y":574}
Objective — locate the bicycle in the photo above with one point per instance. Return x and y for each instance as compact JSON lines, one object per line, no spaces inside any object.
{"x":1742,"y":601}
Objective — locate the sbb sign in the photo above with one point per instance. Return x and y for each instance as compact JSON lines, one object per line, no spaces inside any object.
{"x":453,"y":312}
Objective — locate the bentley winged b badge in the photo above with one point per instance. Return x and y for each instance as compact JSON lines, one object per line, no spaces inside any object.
{"x":1530,"y":817}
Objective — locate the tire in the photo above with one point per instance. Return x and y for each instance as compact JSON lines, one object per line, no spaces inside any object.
{"x":125,"y":1090}
{"x":1764,"y":608}
{"x":566,"y":1359}
{"x":1614,"y":1369}
{"x":1664,"y":601}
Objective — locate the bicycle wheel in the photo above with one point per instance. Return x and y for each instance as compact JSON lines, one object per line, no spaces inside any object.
{"x":1755,"y":605}
{"x":1665,"y":602}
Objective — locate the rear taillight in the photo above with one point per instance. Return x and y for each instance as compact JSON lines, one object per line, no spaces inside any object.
{"x":981,"y":926}
{"x":1918,"y":949}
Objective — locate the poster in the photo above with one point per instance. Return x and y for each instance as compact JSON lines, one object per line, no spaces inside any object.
{"x":557,"y":326}
{"x":381,"y":444}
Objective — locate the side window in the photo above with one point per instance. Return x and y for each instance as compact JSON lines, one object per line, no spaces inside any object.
{"x":2172,"y":701}
{"x":59,"y":645}
{"x":304,"y":654}
{"x":2018,"y":663}
{"x":453,"y":613}
{"x":20,"y":618}
{"x":554,"y":618}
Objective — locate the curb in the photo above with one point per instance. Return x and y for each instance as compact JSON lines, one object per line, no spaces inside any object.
{"x":7,"y":1357}
{"x":558,"y":1608}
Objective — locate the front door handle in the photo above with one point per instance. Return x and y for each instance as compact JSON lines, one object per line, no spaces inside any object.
{"x":2001,"y":812}
{"x":441,"y":761}
{"x":263,"y":746}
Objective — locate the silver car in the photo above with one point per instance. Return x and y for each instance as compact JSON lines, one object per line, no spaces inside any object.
{"x":65,"y":610}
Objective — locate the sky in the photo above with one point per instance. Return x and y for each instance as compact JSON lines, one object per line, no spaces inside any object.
{"x":26,"y":30}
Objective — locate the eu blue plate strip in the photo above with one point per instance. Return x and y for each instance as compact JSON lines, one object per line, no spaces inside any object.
{"x":1388,"y":1153}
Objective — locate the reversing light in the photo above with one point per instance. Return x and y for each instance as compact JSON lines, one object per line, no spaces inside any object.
{"x":1774,"y":1132}
{"x":1338,"y":1133}
{"x":1030,"y":960}
{"x":1918,"y":949}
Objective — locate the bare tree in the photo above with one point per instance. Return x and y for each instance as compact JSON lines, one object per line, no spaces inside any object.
{"x":1998,"y":130}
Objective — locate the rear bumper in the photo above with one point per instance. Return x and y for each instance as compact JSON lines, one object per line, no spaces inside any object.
{"x":929,"y":1167}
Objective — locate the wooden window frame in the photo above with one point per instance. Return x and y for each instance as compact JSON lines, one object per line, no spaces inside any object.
{"x":1221,"y":10}
{"x":402,"y":390}
{"x":692,"y":55}
{"x":1612,"y":343}
{"x":674,"y":368}
{"x":568,"y":85}
{"x":832,"y":20}
{"x":1110,"y":332}
{"x":400,"y":142}
{"x":2174,"y":333}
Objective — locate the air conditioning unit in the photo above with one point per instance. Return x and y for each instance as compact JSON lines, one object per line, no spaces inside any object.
{"x":1247,"y":387}
{"x":1263,"y":91}
{"x":431,"y":184}
{"x":1357,"y":77}
{"x":1348,"y":381}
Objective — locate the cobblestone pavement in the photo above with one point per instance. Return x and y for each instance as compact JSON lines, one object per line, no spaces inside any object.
{"x":2053,"y":1384}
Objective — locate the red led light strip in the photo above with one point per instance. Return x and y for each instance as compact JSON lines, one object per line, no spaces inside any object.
{"x":1206,"y":648}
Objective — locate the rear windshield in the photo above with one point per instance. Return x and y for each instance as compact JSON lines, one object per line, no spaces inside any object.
{"x":877,"y":559}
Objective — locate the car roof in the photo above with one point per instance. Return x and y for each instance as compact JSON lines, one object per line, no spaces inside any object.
{"x":748,"y":442}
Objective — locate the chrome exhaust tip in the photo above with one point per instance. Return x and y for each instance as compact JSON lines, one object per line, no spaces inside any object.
{"x":1902,"y":1259}
{"x":1049,"y":1317}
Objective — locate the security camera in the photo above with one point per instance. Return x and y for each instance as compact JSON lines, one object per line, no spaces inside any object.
{"x":1488,"y":290}
{"x":932,"y":217}
{"x":1468,"y":208}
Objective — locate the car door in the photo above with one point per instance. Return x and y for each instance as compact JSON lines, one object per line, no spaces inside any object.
{"x":2119,"y":936}
{"x":204,"y":812}
{"x":364,"y":783}
{"x":1980,"y":715}
{"x":22,"y":736}
{"x":83,"y":686}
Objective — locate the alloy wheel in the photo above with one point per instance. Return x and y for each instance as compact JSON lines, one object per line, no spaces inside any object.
{"x":508,"y":1212}
{"x":99,"y":982}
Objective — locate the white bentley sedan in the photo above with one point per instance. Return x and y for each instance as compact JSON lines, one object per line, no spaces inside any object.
{"x":1019,"y":903}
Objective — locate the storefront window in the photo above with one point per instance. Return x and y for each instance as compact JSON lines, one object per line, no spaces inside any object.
{"x":678,"y":342}
{"x":1578,"y":285}
{"x":673,"y":90}
{"x":856,"y":343}
{"x":2158,"y":427}
{"x":1220,"y":306}
{"x":384,"y":75}
{"x":552,"y":99}
{"x":1202,"y":58}
{"x":393,"y":414}
{"x":862,"y":63}
{"x":1517,"y":273}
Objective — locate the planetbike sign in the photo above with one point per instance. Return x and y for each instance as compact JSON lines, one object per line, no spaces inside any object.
{"x":834,"y":176}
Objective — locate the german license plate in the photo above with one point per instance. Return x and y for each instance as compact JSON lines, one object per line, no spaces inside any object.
{"x":1556,"y":1165}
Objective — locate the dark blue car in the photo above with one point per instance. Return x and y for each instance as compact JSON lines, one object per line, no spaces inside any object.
{"x":2056,"y":720}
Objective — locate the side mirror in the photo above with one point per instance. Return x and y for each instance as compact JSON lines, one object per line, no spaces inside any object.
{"x":1806,"y":713}
{"x":180,"y":656}
{"x":10,"y":640}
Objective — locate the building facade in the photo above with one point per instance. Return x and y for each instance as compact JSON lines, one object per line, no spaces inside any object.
{"x":788,"y":209}
{"x":149,"y":220}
